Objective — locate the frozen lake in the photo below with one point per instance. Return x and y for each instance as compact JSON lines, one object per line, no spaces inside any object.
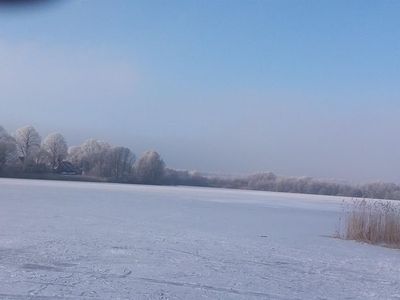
{"x":72,"y":240}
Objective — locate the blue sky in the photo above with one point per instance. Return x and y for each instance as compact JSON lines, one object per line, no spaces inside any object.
{"x":296,"y":87}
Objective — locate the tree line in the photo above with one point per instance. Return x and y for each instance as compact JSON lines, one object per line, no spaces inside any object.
{"x":270,"y":182}
{"x":25,"y":153}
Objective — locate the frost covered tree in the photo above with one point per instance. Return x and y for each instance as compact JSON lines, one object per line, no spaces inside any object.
{"x":121,"y":162}
{"x":150,"y":168}
{"x":99,"y":158}
{"x":94,"y":157}
{"x":8,"y":153}
{"x":28,"y":143}
{"x":41,"y":160}
{"x":75,"y":155}
{"x":56,"y":147}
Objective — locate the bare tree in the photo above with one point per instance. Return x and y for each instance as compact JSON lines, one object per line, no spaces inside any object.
{"x":150,"y":168}
{"x":28,"y":143}
{"x":56,"y":146}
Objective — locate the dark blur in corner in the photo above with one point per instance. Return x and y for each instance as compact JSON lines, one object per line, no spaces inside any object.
{"x":25,"y":3}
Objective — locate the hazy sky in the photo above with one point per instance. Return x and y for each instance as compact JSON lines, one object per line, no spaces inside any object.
{"x":295,"y":87}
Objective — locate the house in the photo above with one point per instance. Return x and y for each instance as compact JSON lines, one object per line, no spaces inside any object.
{"x":67,"y":168}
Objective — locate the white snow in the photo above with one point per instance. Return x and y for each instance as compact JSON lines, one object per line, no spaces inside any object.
{"x":73,"y":240}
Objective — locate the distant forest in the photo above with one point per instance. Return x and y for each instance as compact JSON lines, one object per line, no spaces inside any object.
{"x":24,"y":154}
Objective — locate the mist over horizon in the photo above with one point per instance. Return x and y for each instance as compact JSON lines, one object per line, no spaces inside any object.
{"x":171,"y":148}
{"x":226,"y":87}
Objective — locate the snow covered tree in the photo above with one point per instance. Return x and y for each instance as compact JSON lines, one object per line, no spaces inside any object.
{"x":56,"y":146}
{"x":8,"y":153}
{"x":75,"y":155}
{"x":94,"y":156}
{"x":40,"y":162}
{"x":121,"y":162}
{"x":150,"y":168}
{"x":28,"y":144}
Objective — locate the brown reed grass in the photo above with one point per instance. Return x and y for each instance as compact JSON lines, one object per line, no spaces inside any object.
{"x":371,"y":221}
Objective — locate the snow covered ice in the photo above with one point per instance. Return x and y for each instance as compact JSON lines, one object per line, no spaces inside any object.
{"x":74,"y":240}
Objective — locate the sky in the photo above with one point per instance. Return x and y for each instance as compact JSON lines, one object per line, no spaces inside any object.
{"x":299,"y":88}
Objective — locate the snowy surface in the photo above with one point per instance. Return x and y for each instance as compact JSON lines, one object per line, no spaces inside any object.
{"x":68,"y":240}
